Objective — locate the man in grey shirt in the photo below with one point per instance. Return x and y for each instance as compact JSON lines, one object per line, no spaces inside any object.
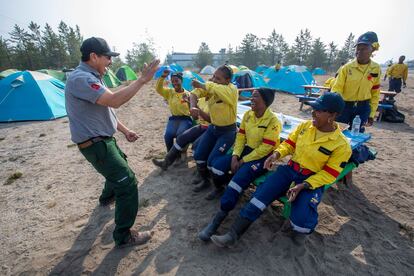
{"x":92,"y":120}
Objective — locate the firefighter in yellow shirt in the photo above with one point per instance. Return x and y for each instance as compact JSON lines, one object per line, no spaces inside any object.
{"x":278,"y":66}
{"x":319,"y":152}
{"x":187,"y":137}
{"x":258,"y":136}
{"x":358,"y":82}
{"x":396,"y":73}
{"x":219,"y":137}
{"x":180,"y":120}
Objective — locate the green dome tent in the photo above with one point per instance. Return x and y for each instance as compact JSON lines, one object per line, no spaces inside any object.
{"x":110,"y":79}
{"x":54,"y":73}
{"x":125,"y":73}
{"x":7,"y":72}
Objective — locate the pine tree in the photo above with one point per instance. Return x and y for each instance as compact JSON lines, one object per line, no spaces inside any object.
{"x":348,"y":50}
{"x":139,"y":54}
{"x":250,"y":51}
{"x":331,"y":56}
{"x":317,"y":56}
{"x":275,"y":49}
{"x":204,"y":56}
{"x":301,"y":49}
{"x":5,"y":54}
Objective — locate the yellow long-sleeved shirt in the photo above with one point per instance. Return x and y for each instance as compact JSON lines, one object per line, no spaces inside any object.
{"x":178,"y":106}
{"x":356,"y":82}
{"x":222,"y":102}
{"x":326,"y":156}
{"x":260,"y":134}
{"x":203,"y":105}
{"x":398,"y":71}
{"x":329,"y":82}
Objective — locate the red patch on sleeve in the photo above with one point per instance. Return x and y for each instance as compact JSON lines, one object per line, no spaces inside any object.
{"x":369,"y":77}
{"x":95,"y":86}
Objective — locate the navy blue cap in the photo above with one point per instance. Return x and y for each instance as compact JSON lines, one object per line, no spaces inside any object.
{"x":98,"y":46}
{"x":368,"y":38}
{"x":331,"y":102}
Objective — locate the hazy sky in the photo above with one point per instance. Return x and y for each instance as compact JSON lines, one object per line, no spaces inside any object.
{"x":182,"y":25}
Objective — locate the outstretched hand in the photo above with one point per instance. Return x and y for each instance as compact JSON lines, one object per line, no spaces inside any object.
{"x":149,"y":70}
{"x":196,"y":84}
{"x":131,"y":136}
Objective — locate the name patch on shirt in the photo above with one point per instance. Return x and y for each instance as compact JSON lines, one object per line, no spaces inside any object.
{"x":325,"y":150}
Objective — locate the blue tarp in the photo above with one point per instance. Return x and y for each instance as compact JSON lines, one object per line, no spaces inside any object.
{"x":28,"y":96}
{"x":290,"y":79}
{"x":188,"y":76}
{"x":318,"y":71}
{"x":176,"y":67}
{"x":161,"y":70}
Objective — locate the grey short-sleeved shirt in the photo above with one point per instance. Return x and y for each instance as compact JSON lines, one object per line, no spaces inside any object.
{"x":87,"y":119}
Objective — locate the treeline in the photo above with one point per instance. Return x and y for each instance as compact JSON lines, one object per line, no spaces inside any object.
{"x":306,"y":50}
{"x":37,"y":47}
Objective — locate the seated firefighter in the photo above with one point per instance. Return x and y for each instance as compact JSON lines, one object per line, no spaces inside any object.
{"x":319,"y":153}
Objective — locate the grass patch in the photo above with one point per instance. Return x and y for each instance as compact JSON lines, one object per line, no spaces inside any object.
{"x":71,"y":145}
{"x":13,"y":177}
{"x":2,"y":138}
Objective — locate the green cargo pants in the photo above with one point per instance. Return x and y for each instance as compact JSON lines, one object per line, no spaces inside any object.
{"x":108,"y":159}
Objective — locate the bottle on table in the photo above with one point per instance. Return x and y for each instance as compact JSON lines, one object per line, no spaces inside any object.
{"x":356,"y":125}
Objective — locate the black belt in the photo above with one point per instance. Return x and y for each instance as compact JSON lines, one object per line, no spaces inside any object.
{"x":226,"y":128}
{"x":92,"y":141}
{"x":356,"y":103}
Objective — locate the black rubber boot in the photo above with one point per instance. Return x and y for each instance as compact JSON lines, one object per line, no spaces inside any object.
{"x":171,"y":156}
{"x":236,"y":230}
{"x":204,"y":173}
{"x":297,"y":238}
{"x":219,"y":183}
{"x":212,"y":227}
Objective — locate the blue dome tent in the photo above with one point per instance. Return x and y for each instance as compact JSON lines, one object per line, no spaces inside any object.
{"x":318,"y":71}
{"x":261,"y":69}
{"x":290,"y":79}
{"x":248,"y":79}
{"x":29,"y":96}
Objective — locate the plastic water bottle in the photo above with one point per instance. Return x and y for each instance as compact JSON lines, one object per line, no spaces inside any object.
{"x":356,"y":124}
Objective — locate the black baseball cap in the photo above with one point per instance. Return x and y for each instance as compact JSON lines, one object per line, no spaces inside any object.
{"x":331,"y":102}
{"x":98,"y":46}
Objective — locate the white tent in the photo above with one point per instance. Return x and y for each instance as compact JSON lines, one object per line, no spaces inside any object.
{"x":207,"y":70}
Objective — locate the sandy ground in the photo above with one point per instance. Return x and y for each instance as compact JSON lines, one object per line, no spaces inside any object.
{"x":51,"y":223}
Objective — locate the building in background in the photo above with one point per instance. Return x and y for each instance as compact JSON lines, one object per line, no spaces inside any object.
{"x":187,"y":59}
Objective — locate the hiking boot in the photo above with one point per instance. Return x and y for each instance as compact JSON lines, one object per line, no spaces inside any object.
{"x":216,"y":193}
{"x":171,"y":156}
{"x":236,"y":231}
{"x":204,"y":185}
{"x":136,"y":238}
{"x":212,"y":227}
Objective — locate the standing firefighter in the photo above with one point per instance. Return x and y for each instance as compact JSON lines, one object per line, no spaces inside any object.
{"x":89,"y":105}
{"x":358,"y":82}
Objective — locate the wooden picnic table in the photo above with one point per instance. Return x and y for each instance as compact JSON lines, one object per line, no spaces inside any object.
{"x":310,"y":94}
